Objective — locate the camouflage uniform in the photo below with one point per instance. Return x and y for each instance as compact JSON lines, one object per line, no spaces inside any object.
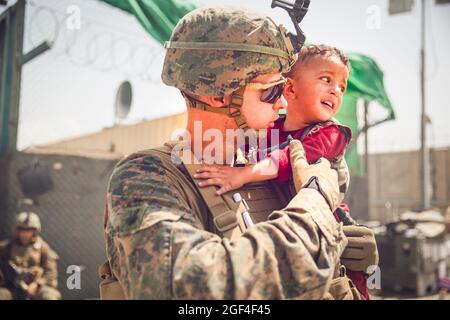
{"x":160,"y":238}
{"x":37,"y":260}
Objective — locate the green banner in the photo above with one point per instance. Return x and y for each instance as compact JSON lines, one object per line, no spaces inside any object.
{"x":366,"y":82}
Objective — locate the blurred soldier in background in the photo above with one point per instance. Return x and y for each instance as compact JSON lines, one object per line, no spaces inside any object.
{"x":28,"y":266}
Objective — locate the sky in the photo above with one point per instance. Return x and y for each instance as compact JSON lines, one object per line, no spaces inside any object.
{"x":70,"y":90}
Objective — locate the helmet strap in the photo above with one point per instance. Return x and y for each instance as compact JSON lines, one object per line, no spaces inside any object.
{"x":233,"y":110}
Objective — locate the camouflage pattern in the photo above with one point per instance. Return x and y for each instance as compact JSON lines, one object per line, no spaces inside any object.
{"x":162,"y":244}
{"x":28,"y":220}
{"x":36,"y":259}
{"x":218,"y":73}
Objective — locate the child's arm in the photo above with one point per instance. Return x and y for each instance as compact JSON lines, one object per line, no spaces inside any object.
{"x":232,"y":178}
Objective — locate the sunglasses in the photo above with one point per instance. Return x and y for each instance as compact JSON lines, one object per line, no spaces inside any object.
{"x":271,"y":92}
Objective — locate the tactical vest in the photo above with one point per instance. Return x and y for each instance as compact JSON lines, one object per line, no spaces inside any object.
{"x":232,"y":216}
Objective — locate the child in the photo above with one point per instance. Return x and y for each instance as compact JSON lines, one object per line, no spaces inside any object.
{"x":314,"y":91}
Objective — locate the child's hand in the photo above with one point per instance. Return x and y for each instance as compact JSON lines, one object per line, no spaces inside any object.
{"x":226,"y":177}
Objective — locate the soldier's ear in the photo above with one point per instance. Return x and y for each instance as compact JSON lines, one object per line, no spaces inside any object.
{"x":214,"y":101}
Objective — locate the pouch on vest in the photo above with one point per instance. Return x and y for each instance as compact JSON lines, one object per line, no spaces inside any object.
{"x":110,"y":288}
{"x":342,"y":287}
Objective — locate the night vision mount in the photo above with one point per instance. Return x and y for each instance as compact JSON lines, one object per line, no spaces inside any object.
{"x":297,"y":12}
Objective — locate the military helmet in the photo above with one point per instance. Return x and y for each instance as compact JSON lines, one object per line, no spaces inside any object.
{"x":28,"y":220}
{"x":216,"y":50}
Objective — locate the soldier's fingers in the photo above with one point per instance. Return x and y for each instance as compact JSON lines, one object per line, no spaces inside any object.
{"x":353,"y":253}
{"x":361,"y":243}
{"x":356,"y":231}
{"x":211,"y":182}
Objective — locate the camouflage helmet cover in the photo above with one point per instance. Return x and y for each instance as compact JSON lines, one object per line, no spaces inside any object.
{"x":216,"y":50}
{"x":28,"y":220}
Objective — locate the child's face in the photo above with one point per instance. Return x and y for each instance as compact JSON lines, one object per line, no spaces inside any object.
{"x":315,"y":94}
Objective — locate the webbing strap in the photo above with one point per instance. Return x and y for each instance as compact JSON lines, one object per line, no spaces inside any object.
{"x":224,"y":216}
{"x":344,"y":129}
{"x":237,"y":99}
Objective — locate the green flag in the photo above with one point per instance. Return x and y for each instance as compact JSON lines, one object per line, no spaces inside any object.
{"x":366,"y":82}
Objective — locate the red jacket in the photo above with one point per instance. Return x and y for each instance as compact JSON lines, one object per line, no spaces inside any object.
{"x":328,"y":142}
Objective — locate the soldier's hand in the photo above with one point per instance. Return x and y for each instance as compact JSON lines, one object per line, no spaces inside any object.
{"x":361,"y":251}
{"x":319,"y":175}
{"x":32,"y":289}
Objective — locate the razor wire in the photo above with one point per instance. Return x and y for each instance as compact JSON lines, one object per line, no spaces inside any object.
{"x":96,"y":45}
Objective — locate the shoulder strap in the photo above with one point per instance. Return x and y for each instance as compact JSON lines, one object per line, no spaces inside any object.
{"x":314,"y":127}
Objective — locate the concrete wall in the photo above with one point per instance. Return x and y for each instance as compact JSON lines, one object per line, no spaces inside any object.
{"x":394,"y":182}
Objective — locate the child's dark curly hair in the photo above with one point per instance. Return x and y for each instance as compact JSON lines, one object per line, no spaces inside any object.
{"x":314,"y":50}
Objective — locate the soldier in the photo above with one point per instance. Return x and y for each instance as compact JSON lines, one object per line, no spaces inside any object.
{"x":163,"y":240}
{"x":28,"y":264}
